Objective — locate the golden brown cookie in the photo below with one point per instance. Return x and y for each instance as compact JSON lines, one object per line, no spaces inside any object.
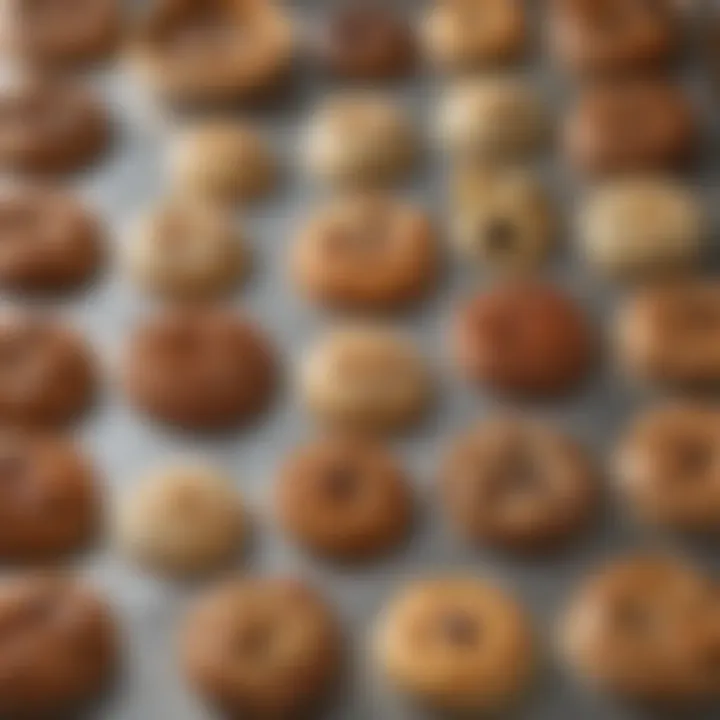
{"x":366,"y":251}
{"x":456,"y":643}
{"x":58,"y":646}
{"x":643,"y":627}
{"x":630,"y":125}
{"x":344,"y":498}
{"x":200,"y":368}
{"x":49,"y":499}
{"x":48,"y":240}
{"x":261,"y":648}
{"x":668,"y":468}
{"x":50,"y":127}
{"x":47,"y":373}
{"x":213,"y":51}
{"x":366,"y":378}
{"x":523,"y":338}
{"x":518,"y":485}
{"x":184,"y":519}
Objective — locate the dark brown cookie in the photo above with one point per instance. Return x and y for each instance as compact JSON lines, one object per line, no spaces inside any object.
{"x":48,"y":241}
{"x":518,"y":485}
{"x":668,"y":467}
{"x":366,"y":41}
{"x":613,"y":36}
{"x":523,"y":338}
{"x":344,"y":498}
{"x":47,"y":374}
{"x":58,"y":646}
{"x":630,"y":125}
{"x":56,"y":32}
{"x":645,"y":628}
{"x":200,"y":368}
{"x":261,"y":648}
{"x":50,"y":127}
{"x":49,"y":501}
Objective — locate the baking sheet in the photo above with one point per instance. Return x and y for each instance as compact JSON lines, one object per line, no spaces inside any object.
{"x":125,"y":446}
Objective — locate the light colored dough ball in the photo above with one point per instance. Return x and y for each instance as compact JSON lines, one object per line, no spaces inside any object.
{"x":640,"y":226}
{"x":184,"y":519}
{"x":496,"y":118}
{"x":224,"y":161}
{"x":187,"y":249}
{"x":360,"y":139}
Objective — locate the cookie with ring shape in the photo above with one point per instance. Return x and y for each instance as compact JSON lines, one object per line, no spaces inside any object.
{"x":366,"y":251}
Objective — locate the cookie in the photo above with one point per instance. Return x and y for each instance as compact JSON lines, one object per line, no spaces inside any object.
{"x":640,"y":628}
{"x":48,"y":240}
{"x":640,"y":227}
{"x":50,"y":127}
{"x":182,"y":520}
{"x":666,"y":467}
{"x":344,"y":498}
{"x":200,"y":368}
{"x":466,"y":35}
{"x":366,"y":251}
{"x":261,"y":647}
{"x":62,"y":32}
{"x":223,"y":161}
{"x":367,"y":378}
{"x":359,"y":138}
{"x":365,"y":41}
{"x":502,"y":218}
{"x":58,"y":649}
{"x":670,"y":334}
{"x":630,"y":125}
{"x":518,"y":485}
{"x":613,"y":36}
{"x":213,"y":52}
{"x":187,"y":248}
{"x":492,"y":119}
{"x":523,"y":338}
{"x":456,"y":643}
{"x":47,"y":373}
{"x":49,"y":499}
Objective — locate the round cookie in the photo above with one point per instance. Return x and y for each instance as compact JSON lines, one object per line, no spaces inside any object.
{"x":213,"y":52}
{"x":59,"y":32}
{"x":518,"y":485}
{"x":47,"y":374}
{"x":503,"y":218}
{"x":359,"y":138}
{"x":366,"y":41}
{"x":58,"y":649}
{"x":613,"y":36}
{"x":223,"y":161}
{"x":456,"y":643}
{"x":670,"y":334}
{"x":667,"y":467}
{"x":366,"y":251}
{"x":494,"y":118}
{"x":187,"y":249}
{"x":366,"y":378}
{"x":630,"y":125}
{"x":200,"y":369}
{"x":48,"y":240}
{"x":523,"y":338}
{"x":344,"y":498}
{"x":182,"y":520}
{"x":49,"y":499}
{"x":50,"y":127}
{"x":640,"y":627}
{"x":642,"y":226}
{"x":464,"y":35}
{"x":261,"y":647}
